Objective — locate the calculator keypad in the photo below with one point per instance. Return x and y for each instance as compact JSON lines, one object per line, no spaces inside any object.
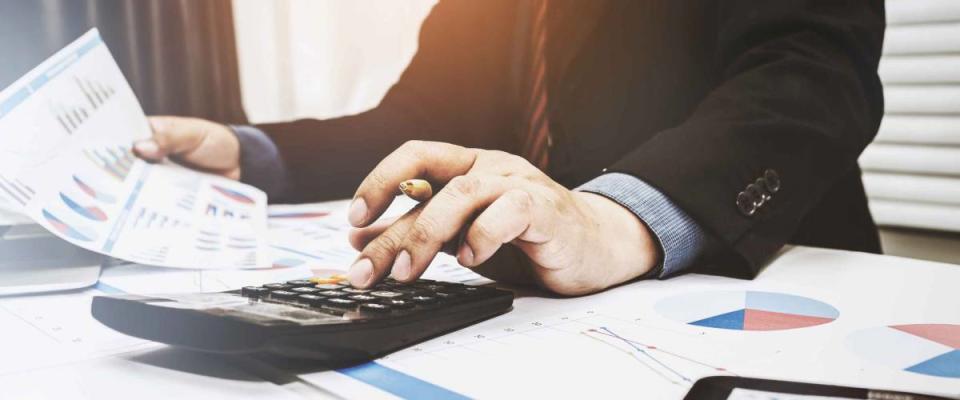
{"x":336,"y":298}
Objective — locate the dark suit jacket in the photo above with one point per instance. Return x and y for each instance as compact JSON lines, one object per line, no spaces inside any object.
{"x":696,"y":97}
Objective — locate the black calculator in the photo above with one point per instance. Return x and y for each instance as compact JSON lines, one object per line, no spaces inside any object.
{"x":321,"y":320}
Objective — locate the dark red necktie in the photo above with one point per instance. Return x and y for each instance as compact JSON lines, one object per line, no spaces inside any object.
{"x":536,"y":138}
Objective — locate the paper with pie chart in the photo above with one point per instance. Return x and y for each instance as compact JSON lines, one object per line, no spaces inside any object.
{"x":66,"y":130}
{"x":925,"y":349}
{"x":747,"y":310}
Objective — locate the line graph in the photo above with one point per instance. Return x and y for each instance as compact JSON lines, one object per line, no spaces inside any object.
{"x":643,"y":353}
{"x":616,"y":348}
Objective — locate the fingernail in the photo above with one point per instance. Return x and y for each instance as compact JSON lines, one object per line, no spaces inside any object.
{"x":147,"y":147}
{"x":358,"y":211}
{"x":401,"y":266}
{"x":360,"y":272}
{"x":465,"y":255}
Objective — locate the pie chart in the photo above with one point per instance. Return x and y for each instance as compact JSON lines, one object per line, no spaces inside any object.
{"x":82,"y":234}
{"x":233,"y":195}
{"x":925,"y":349}
{"x":746,"y":310}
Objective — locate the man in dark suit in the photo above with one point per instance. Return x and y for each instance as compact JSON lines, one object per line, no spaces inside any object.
{"x":636,"y":139}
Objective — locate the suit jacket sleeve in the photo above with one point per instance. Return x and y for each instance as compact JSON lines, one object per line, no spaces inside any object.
{"x":799,"y":95}
{"x":453,"y":90}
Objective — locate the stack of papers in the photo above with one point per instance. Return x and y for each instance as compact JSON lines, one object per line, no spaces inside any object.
{"x":66,"y":131}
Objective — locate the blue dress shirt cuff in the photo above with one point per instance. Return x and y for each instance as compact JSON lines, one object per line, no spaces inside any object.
{"x":680,"y":238}
{"x":260,"y":162}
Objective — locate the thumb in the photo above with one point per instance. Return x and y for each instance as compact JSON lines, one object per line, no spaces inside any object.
{"x":171,"y":135}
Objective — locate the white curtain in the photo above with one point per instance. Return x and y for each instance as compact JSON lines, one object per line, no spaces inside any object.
{"x":322,"y":58}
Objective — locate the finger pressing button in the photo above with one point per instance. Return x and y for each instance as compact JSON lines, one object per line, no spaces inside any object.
{"x":771,"y":181}
{"x":746,"y":204}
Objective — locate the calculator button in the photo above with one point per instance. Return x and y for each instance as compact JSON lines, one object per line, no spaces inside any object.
{"x":277,"y":286}
{"x":362,"y":297}
{"x":329,"y":286}
{"x":355,"y":290}
{"x":399,"y":303}
{"x":446,"y":295}
{"x":455,"y":289}
{"x":254,"y":291}
{"x":305,"y":290}
{"x":283,"y":294}
{"x":424,"y":299}
{"x":408,"y":289}
{"x":374,"y":307}
{"x":310,"y":299}
{"x":300,"y":282}
{"x":332,"y":293}
{"x":338,"y":302}
{"x":386,"y":294}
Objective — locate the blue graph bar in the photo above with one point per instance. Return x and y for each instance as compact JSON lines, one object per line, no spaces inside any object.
{"x":398,"y":383}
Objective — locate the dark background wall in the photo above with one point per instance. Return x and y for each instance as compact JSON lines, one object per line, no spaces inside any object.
{"x":179,"y":55}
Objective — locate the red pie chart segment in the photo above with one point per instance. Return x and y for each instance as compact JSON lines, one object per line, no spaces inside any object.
{"x":947,"y":335}
{"x":758,"y":320}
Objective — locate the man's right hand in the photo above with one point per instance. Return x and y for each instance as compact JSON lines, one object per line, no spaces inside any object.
{"x":194,"y":142}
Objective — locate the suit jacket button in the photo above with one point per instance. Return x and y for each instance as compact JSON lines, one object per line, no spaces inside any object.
{"x":771,"y":180}
{"x":756,"y":194}
{"x":762,"y":186}
{"x":746,"y":204}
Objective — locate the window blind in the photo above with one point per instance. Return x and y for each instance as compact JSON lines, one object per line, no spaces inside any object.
{"x":912,"y":170}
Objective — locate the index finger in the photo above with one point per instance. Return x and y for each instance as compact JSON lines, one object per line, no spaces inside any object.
{"x":434,"y":161}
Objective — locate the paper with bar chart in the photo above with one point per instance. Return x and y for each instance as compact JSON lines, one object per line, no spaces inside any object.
{"x":66,"y":131}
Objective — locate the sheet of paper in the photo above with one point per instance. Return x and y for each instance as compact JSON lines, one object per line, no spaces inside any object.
{"x":53,"y":348}
{"x":152,"y":374}
{"x":314,"y":236}
{"x":10,"y":215}
{"x":802,"y":319}
{"x":66,"y":130}
{"x":54,"y":330}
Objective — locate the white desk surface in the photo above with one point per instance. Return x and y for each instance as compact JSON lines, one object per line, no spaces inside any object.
{"x":153,"y":371}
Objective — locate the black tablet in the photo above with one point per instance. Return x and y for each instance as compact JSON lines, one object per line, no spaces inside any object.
{"x":739,"y":388}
